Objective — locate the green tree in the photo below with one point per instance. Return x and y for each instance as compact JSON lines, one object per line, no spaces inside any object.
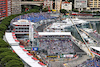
{"x":4,"y":50}
{"x":2,"y":27}
{"x":1,"y":35}
{"x":3,"y":44}
{"x":1,"y":32}
{"x":41,"y":6}
{"x":14,"y":63}
{"x":8,"y":53}
{"x":44,"y":10}
{"x":63,"y":11}
{"x":8,"y":58}
{"x":36,"y":7}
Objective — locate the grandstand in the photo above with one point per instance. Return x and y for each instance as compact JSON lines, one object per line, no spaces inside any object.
{"x":55,"y":46}
{"x":33,"y":17}
{"x":55,"y":43}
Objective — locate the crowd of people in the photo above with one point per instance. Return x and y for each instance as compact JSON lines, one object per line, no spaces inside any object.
{"x":33,"y":17}
{"x":56,"y":46}
{"x":95,"y":62}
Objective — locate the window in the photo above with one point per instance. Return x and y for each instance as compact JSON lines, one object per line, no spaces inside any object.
{"x":65,"y":4}
{"x":95,"y":6}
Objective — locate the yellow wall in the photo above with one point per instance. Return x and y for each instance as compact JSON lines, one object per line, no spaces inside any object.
{"x":93,"y":4}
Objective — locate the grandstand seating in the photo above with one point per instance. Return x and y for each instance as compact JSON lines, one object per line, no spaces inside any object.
{"x":57,"y":46}
{"x":33,"y":17}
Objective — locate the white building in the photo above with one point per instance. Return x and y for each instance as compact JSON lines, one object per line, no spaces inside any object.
{"x":21,"y":28}
{"x":66,"y":5}
{"x":80,"y":4}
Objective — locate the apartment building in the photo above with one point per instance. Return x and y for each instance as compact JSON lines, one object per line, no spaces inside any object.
{"x":5,"y":8}
{"x":94,"y":5}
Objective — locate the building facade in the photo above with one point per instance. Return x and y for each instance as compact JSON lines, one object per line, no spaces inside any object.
{"x":80,"y":4}
{"x":48,"y":4}
{"x":66,"y":5}
{"x":5,"y":8}
{"x":21,"y":28}
{"x":16,"y":6}
{"x":94,"y":5}
{"x":58,"y":5}
{"x":8,"y":7}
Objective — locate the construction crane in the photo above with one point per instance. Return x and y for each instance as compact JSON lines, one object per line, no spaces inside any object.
{"x":82,"y":38}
